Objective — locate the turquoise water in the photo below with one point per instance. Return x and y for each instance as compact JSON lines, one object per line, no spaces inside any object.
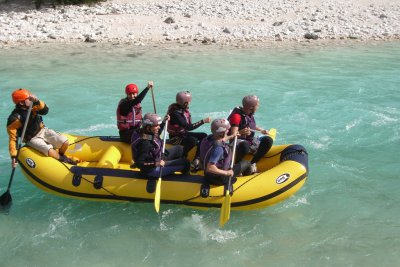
{"x":341,"y":103}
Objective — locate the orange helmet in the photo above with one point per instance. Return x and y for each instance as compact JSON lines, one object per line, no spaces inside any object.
{"x":20,"y":95}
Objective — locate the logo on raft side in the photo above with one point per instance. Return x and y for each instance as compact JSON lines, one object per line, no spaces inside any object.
{"x":31,"y":163}
{"x":282,"y":178}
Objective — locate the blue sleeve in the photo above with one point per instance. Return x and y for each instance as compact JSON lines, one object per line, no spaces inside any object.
{"x":216,"y":154}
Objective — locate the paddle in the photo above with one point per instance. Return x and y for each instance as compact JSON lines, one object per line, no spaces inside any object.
{"x":157,"y":197}
{"x":154,"y":102}
{"x":226,"y":204}
{"x":6,"y":198}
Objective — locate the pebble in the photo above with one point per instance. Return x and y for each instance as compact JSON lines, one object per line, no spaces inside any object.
{"x":204,"y":21}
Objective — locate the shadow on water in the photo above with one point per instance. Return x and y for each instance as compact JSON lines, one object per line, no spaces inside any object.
{"x":135,"y":55}
{"x":77,"y":53}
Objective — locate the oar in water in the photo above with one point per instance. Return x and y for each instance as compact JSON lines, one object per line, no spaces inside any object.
{"x":157,"y":198}
{"x":226,"y":204}
{"x":6,"y":198}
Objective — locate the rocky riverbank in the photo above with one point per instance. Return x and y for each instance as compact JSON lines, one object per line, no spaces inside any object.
{"x":224,"y":22}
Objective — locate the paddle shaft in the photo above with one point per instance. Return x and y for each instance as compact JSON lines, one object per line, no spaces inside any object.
{"x":233,"y":160}
{"x":226,"y":203}
{"x":20,"y":144}
{"x":154,"y":101}
{"x":164,"y":142}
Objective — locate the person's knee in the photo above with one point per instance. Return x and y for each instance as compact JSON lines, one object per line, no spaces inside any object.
{"x":53,"y":153}
{"x":192,"y":141}
{"x":64,"y":147}
{"x":266,"y":142}
{"x":244,"y":147}
{"x":201,"y":136}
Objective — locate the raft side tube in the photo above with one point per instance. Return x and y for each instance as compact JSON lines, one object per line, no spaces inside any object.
{"x":296,"y":153}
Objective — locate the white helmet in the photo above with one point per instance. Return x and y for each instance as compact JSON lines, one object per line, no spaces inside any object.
{"x":220,"y":126}
{"x":151,"y":119}
{"x":183,"y":97}
{"x":250,"y":101}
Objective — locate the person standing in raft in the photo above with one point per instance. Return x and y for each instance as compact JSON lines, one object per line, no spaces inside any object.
{"x":147,"y":149}
{"x":216,"y":155}
{"x":37,"y":136}
{"x":129,"y":111}
{"x":243,"y":122}
{"x":181,"y":124}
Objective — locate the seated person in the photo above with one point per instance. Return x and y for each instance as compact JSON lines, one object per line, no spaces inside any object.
{"x":147,"y":149}
{"x":37,"y":136}
{"x":216,"y":155}
{"x":243,"y":122}
{"x":129,"y":111}
{"x":181,"y":126}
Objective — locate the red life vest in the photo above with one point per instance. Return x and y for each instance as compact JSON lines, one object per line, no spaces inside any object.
{"x":132,"y":120}
{"x":176,"y":129}
{"x":245,"y":121}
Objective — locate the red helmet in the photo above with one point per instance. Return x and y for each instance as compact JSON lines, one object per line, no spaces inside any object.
{"x":151,"y":119}
{"x":183,"y":97}
{"x":131,"y":88}
{"x":250,"y":101}
{"x":220,"y":126}
{"x":20,"y":95}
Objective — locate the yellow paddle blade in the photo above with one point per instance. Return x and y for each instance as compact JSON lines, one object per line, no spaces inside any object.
{"x":225,"y":209}
{"x":157,"y":197}
{"x":272,"y":133}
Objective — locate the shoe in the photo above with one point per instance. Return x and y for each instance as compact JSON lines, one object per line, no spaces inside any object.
{"x":65,"y":159}
{"x":195,"y":165}
{"x":186,"y":169}
{"x":253,"y":168}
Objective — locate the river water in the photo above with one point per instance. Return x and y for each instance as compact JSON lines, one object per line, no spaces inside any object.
{"x":341,"y":102}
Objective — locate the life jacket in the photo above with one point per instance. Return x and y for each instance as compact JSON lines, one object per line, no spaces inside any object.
{"x":35,"y":123}
{"x":176,"y":129}
{"x":155,"y":153}
{"x":245,"y":121}
{"x":206,"y":147}
{"x":132,"y":120}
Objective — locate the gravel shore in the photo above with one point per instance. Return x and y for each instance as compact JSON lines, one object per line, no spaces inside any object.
{"x":204,"y":22}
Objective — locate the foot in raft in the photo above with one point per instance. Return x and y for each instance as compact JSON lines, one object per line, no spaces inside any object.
{"x":195,"y":165}
{"x":65,"y":159}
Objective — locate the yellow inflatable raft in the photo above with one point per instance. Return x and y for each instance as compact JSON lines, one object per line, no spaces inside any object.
{"x":104,"y":174}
